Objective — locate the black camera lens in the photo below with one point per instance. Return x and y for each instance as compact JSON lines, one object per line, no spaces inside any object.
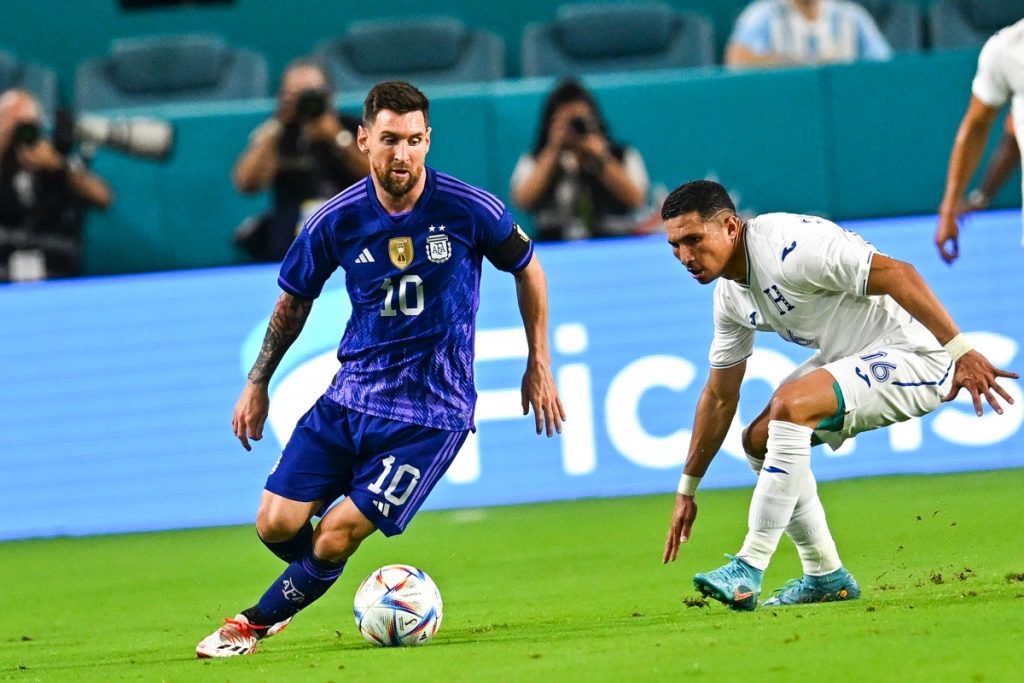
{"x":310,"y":105}
{"x":579,"y":125}
{"x":26,"y":134}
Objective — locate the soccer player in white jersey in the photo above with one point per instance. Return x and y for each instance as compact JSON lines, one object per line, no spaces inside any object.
{"x":999,"y":79}
{"x":887,"y":351}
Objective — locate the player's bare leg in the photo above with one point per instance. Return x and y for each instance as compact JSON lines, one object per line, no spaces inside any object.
{"x":341,"y":531}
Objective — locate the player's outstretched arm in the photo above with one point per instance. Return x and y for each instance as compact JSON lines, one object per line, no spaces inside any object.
{"x":715,"y":410}
{"x":538,"y":388}
{"x":967,"y":150}
{"x":973,"y":371}
{"x":286,"y":322}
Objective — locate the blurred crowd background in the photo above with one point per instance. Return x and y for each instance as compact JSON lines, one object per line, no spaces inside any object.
{"x":142,"y":135}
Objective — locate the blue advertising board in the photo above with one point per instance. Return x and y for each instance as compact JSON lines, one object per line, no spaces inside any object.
{"x":116,"y":393}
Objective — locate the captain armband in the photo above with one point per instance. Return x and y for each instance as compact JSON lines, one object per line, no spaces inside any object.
{"x":688,"y":485}
{"x":957,"y":347}
{"x":509,"y":253}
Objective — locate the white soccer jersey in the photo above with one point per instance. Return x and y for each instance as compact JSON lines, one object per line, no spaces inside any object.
{"x":807,"y":280}
{"x":1000,"y":76}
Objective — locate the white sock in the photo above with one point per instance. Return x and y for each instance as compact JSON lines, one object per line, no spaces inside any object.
{"x":809,"y":531}
{"x":777,"y":491}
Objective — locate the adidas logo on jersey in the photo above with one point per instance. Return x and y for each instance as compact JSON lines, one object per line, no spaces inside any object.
{"x":365,"y":257}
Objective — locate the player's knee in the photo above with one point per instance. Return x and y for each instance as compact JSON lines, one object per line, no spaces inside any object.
{"x":789,"y":405}
{"x":274,"y":527}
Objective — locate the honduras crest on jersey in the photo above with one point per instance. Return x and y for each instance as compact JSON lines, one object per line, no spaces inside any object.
{"x":439,"y":249}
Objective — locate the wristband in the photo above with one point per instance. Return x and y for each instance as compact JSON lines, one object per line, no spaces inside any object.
{"x":957,"y":347}
{"x":688,"y":485}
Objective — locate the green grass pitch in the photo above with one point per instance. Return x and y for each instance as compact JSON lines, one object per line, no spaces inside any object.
{"x":556,"y":592}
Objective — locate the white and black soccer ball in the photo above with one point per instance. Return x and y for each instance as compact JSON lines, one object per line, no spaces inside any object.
{"x":398,"y":605}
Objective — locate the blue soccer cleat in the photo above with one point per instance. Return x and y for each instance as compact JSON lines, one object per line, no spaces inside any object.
{"x":837,"y":586}
{"x":736,"y":585}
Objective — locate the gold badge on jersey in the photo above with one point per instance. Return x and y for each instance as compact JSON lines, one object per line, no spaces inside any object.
{"x":400,"y":251}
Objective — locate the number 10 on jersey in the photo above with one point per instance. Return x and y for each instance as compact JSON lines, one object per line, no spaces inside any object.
{"x":410,"y":296}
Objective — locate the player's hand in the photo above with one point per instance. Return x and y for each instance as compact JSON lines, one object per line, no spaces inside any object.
{"x":947,"y":236}
{"x":540,"y":393}
{"x":250,"y":414}
{"x":975,"y":373}
{"x":679,"y":530}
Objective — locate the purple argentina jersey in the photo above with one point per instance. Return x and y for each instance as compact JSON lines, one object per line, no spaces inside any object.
{"x":414,"y":283}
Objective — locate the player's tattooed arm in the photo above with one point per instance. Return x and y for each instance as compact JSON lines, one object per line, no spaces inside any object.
{"x":286,"y":323}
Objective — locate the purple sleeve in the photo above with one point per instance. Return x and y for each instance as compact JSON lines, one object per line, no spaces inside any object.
{"x":310,"y":261}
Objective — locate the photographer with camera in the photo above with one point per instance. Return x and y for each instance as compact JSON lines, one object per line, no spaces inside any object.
{"x":43,"y":194}
{"x":576,"y":182}
{"x":306,"y":154}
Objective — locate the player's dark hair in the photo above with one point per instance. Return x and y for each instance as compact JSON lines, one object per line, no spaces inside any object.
{"x":706,"y":197}
{"x":565,"y":92}
{"x":397,"y":96}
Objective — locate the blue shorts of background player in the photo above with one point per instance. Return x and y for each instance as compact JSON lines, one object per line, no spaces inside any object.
{"x":387,"y":468}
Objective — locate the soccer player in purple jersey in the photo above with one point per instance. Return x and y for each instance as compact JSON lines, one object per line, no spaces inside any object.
{"x":412,"y":242}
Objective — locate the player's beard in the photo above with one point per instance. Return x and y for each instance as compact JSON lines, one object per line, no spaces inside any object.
{"x":396,"y":187}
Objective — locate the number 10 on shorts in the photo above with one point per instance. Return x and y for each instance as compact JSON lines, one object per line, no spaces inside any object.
{"x":396,"y":481}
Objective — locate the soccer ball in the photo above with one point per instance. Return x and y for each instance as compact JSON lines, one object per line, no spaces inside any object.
{"x":398,"y":605}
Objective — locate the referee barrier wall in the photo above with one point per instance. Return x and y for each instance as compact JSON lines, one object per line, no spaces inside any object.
{"x":116,"y":393}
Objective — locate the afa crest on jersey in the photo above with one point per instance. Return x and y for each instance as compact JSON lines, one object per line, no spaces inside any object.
{"x":400,"y":252}
{"x":439,"y":249}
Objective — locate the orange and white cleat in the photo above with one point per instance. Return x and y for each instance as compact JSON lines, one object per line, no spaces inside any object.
{"x":237,"y":637}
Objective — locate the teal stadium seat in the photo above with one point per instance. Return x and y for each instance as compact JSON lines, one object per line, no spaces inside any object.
{"x":587,"y":38}
{"x":423,"y":51}
{"x":969,"y":23}
{"x":902,"y":23}
{"x":190,"y":67}
{"x":38,"y":80}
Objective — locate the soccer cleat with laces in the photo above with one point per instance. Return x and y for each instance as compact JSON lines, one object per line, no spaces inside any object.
{"x":839,"y":585}
{"x":236,"y":637}
{"x":736,"y":584}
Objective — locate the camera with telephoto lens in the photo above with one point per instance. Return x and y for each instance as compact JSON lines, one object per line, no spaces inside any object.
{"x":579,"y":125}
{"x":137,"y":136}
{"x":310,"y":105}
{"x":26,"y":134}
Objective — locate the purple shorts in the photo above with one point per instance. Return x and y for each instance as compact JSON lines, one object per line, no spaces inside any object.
{"x":386,"y":467}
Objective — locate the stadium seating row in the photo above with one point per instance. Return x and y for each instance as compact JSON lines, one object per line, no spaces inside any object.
{"x":580,"y":39}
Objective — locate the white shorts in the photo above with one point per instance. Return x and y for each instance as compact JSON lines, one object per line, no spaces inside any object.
{"x":882,"y":386}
